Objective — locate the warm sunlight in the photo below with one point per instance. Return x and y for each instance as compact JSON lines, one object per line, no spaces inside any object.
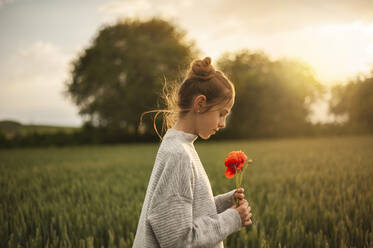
{"x":325,"y":48}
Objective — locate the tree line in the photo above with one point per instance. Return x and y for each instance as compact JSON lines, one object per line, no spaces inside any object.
{"x":121,"y":74}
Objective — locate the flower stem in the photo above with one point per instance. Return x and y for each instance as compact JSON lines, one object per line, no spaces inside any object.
{"x":237,"y":186}
{"x":241,"y":177}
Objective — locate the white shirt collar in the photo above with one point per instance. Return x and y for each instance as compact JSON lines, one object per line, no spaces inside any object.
{"x":187,"y":137}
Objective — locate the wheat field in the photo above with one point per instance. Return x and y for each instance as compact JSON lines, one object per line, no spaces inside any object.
{"x":304,"y":192}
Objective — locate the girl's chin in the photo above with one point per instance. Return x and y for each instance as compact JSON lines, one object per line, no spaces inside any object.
{"x":205,"y":136}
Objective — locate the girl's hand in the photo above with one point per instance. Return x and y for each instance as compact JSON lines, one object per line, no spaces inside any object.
{"x":238,"y":194}
{"x":244,"y":210}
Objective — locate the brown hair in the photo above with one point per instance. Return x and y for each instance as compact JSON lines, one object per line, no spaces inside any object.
{"x":201,"y":79}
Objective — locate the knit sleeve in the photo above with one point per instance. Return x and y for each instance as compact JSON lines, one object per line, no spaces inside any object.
{"x":224,"y":201}
{"x":171,"y":219}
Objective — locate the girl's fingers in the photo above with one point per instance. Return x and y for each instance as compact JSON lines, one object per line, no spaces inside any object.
{"x":248,"y":223}
{"x":239,"y":195}
{"x":243,"y":202}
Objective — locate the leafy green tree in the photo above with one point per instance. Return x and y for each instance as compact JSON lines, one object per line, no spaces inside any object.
{"x":354,"y":99}
{"x":121,"y":74}
{"x":272,"y":97}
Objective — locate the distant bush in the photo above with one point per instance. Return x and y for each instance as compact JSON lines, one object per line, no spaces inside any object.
{"x":89,"y":134}
{"x":86,"y":135}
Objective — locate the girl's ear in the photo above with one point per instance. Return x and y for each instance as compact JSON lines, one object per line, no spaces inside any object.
{"x":199,"y":103}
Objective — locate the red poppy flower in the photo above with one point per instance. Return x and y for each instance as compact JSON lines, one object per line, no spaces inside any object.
{"x":233,"y":162}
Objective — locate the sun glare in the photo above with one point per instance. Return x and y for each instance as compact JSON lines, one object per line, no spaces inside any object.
{"x":336,"y":52}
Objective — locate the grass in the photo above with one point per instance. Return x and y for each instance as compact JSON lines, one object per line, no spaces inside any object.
{"x":303,"y":192}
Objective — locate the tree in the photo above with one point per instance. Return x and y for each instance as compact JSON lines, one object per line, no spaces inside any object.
{"x":121,"y":74}
{"x":272,"y":97}
{"x":355,"y":99}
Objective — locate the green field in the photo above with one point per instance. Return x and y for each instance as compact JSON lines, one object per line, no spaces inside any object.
{"x":303,"y":192}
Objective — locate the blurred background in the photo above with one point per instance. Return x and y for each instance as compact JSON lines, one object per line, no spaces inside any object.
{"x":80,"y":73}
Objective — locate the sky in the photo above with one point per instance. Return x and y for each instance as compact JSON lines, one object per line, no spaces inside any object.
{"x":40,"y":38}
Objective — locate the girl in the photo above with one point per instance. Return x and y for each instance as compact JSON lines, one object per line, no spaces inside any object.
{"x":179,"y":208}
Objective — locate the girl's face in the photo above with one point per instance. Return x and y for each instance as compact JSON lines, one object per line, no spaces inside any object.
{"x":210,"y":122}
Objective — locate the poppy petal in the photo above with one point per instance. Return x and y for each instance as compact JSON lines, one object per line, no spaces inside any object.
{"x":229,"y":173}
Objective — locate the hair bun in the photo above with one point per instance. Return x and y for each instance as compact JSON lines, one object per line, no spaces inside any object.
{"x":202,"y":69}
